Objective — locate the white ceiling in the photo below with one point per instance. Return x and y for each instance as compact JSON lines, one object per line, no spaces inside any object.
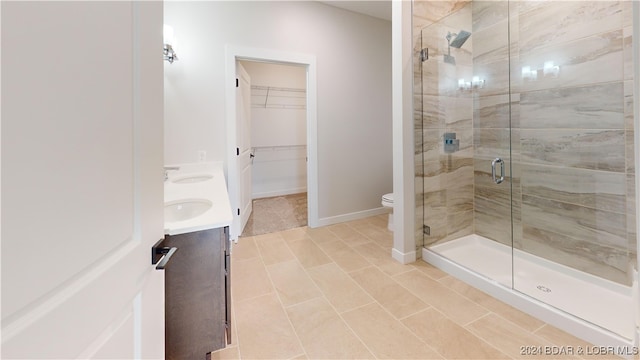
{"x":378,"y":8}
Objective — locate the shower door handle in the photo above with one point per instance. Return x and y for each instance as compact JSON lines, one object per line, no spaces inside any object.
{"x":496,"y":161}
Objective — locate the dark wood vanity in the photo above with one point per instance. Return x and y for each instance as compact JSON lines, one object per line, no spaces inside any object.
{"x":198,"y":294}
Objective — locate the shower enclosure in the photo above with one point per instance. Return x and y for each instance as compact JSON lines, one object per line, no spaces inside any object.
{"x":525,"y":151}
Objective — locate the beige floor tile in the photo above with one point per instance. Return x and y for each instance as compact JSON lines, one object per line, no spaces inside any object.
{"x":510,"y":313}
{"x":266,"y":237}
{"x":294,"y":234}
{"x":385,"y":336}
{"x":449,"y":339}
{"x":356,"y":239}
{"x":310,"y":271}
{"x":510,"y":338}
{"x":430,"y":270}
{"x":228,"y":353}
{"x":273,"y":250}
{"x":583,"y":349}
{"x":264,"y":329}
{"x":250,"y":279}
{"x":347,"y":258}
{"x":324,"y":335}
{"x":321,"y":235}
{"x":391,"y":295}
{"x":360,"y":224}
{"x":381,"y":258}
{"x":234,"y":328}
{"x":340,"y":289}
{"x":292,"y":283}
{"x":382,"y":237}
{"x":245,"y":249}
{"x":378,"y":221}
{"x":381,"y":221}
{"x":344,"y":231}
{"x":455,"y":306}
{"x":308,"y":253}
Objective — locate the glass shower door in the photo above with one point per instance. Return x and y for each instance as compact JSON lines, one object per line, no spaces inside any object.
{"x":465,"y":126}
{"x":574,"y":243}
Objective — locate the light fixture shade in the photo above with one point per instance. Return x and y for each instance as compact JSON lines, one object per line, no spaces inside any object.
{"x":169,"y":43}
{"x":167,"y":33}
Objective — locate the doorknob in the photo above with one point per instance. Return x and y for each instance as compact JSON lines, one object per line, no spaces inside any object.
{"x":161,"y":254}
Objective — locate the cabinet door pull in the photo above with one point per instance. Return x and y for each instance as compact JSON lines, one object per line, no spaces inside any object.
{"x":161,"y":255}
{"x":167,"y":256}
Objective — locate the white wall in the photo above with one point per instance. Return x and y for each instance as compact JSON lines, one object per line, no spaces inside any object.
{"x":404,"y":205}
{"x":353,"y":55}
{"x":282,"y":122}
{"x":279,"y":171}
{"x":271,"y":74}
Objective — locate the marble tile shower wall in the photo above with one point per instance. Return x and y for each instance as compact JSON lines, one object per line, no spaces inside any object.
{"x":571,"y":134}
{"x":444,"y":182}
{"x":575,"y":139}
{"x":424,"y":14}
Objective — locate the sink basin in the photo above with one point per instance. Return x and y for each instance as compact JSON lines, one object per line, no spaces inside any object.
{"x":188,"y":179}
{"x":181,"y":210}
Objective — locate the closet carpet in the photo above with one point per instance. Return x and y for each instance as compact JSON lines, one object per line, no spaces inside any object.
{"x":276,"y":214}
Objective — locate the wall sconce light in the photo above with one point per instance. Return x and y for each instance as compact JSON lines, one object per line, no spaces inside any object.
{"x":528,"y":74}
{"x":548,"y":70}
{"x":463,"y":85}
{"x":475,"y":83}
{"x":169,"y":42}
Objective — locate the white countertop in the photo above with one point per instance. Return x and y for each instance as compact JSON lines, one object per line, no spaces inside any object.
{"x":213,"y":190}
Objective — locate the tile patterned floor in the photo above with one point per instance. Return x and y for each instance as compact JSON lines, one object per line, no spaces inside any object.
{"x":335,"y":293}
{"x":276,"y":214}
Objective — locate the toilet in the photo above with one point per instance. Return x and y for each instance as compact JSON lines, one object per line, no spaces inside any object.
{"x":387,"y":202}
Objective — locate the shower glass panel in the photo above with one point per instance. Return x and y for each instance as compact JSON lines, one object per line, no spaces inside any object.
{"x":525,"y":157}
{"x":572,"y":73}
{"x":466,"y":154}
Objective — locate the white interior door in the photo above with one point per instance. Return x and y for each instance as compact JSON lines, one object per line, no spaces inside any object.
{"x":243,"y":143}
{"x":82,"y":110}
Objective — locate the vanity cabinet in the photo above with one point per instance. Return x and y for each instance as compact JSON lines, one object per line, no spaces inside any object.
{"x":198,"y":294}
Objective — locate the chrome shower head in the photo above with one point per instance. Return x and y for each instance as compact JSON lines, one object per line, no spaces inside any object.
{"x":458,"y":39}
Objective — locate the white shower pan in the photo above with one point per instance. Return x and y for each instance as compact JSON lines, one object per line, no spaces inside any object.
{"x":591,"y":308}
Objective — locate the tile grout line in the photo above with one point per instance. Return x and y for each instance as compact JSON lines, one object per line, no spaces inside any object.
{"x":409,"y":268}
{"x":280,"y":300}
{"x":347,"y":323}
{"x":335,"y":309}
{"x":383,"y":308}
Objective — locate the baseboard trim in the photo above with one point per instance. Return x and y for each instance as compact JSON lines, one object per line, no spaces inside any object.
{"x":279,"y":193}
{"x":404,"y":258}
{"x":351,"y":216}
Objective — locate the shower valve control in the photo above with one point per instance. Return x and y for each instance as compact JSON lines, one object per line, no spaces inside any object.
{"x":451,"y":144}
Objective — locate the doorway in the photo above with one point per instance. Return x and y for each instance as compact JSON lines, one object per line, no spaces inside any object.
{"x":277,"y":130}
{"x":234,"y":171}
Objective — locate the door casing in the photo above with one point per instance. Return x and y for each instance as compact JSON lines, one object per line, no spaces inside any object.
{"x":234,"y":53}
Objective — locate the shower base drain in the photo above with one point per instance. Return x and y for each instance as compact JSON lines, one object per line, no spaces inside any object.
{"x":543,"y":288}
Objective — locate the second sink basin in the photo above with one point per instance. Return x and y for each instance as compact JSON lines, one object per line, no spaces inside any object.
{"x":181,"y":210}
{"x":193,"y":178}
